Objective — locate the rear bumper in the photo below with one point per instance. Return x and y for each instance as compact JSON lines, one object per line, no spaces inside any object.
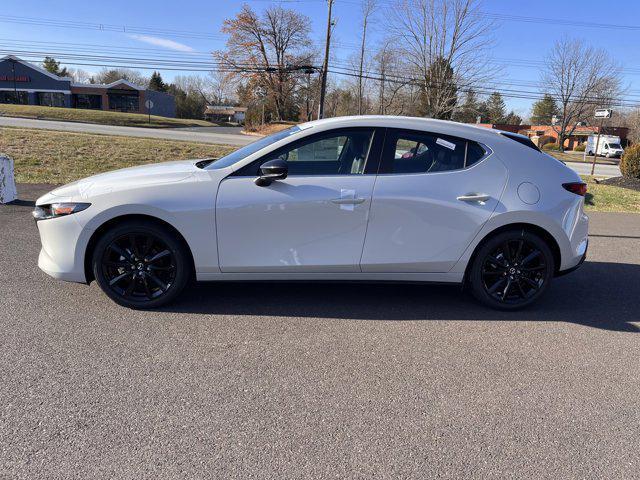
{"x":578,"y":265}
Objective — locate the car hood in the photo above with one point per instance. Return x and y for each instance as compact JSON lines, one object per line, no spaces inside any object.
{"x":124,"y":179}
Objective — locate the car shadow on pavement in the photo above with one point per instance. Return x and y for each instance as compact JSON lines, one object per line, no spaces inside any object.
{"x":600,"y":295}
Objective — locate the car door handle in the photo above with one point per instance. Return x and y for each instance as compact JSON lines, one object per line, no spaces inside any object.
{"x":474,"y":197}
{"x":348,"y":201}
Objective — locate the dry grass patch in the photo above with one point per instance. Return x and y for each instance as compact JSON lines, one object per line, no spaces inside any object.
{"x":44,"y":156}
{"x":268,"y":128}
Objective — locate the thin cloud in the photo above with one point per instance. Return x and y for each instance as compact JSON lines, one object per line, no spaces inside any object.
{"x":163,"y":42}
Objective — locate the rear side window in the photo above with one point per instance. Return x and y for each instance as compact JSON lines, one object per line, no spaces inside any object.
{"x":421,"y":152}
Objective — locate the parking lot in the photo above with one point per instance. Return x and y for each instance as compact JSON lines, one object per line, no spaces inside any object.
{"x":320,"y":380}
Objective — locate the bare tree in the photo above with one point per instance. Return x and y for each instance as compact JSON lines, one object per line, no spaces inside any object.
{"x":220,"y":87}
{"x":580,"y":78}
{"x":109,"y":75}
{"x":268,"y":49}
{"x":632,"y":121}
{"x":79,"y":75}
{"x":392,"y":89}
{"x":445,"y":43}
{"x":368,"y":7}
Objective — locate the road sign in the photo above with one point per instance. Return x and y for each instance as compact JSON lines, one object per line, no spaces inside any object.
{"x":603,"y":113}
{"x":149,"y":105}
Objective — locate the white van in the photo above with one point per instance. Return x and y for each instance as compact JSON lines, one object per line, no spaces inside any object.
{"x":609,"y":146}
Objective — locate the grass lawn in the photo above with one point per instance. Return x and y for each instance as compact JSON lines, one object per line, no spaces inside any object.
{"x":44,"y":156}
{"x":609,"y":198}
{"x":101,"y":117}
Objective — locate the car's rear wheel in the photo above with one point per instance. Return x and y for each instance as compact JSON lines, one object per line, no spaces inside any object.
{"x":512,"y":270}
{"x":141,"y":265}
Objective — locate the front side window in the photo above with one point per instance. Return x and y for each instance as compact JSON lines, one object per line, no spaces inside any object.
{"x":417,"y":152}
{"x":342,"y":152}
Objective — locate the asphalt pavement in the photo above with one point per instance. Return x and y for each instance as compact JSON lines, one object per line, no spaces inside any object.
{"x":601,"y":170}
{"x":320,"y":380}
{"x":222,"y":135}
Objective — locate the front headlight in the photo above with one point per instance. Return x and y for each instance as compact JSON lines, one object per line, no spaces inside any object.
{"x":54,"y":210}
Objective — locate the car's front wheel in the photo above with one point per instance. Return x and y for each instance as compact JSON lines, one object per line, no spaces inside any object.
{"x":512,"y":270}
{"x":140,"y":264}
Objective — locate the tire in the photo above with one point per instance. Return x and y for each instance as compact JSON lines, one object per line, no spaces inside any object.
{"x":513,"y":280}
{"x":141,"y":265}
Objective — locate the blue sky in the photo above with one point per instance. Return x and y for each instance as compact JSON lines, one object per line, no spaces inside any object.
{"x":515,"y":40}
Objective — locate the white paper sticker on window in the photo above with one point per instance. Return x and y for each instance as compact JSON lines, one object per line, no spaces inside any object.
{"x":444,"y":143}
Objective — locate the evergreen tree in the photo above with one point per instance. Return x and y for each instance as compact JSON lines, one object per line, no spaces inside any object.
{"x":439,"y":94}
{"x":52,"y":66}
{"x":544,"y":110}
{"x":496,"y":108}
{"x":156,"y":83}
{"x":513,"y":119}
{"x":470,"y":110}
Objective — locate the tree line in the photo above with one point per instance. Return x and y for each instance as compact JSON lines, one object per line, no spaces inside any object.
{"x":433,"y":61}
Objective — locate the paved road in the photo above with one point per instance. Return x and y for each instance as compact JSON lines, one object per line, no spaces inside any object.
{"x":601,"y":170}
{"x":204,"y":134}
{"x":312,"y":381}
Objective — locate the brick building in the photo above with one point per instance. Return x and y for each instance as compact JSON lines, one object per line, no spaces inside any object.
{"x":542,"y":134}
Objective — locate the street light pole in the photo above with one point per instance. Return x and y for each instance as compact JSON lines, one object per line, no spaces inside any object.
{"x":15,"y":86}
{"x":325,"y":65}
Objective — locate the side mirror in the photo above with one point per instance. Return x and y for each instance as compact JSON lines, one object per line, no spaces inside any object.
{"x":271,"y":171}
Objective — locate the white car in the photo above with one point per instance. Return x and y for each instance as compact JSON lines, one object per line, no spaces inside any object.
{"x":369,"y":198}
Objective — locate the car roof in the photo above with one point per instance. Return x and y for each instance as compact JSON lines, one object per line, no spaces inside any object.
{"x":444,"y":127}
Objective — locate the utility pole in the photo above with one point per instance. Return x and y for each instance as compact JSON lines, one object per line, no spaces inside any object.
{"x":325,"y":65}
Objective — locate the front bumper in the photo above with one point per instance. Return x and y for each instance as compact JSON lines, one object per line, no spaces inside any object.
{"x":64,"y":242}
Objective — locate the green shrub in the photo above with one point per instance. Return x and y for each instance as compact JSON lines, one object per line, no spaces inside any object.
{"x":630,"y":162}
{"x":580,"y":148}
{"x":551,"y":146}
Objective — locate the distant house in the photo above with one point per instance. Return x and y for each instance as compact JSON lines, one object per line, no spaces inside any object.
{"x":225,"y":113}
{"x":542,"y":134}
{"x":27,"y":84}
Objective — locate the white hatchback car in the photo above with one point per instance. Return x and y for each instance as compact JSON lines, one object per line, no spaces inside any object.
{"x":370,"y":198}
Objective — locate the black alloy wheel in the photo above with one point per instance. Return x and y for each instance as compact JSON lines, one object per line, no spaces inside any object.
{"x":512,"y":270}
{"x":141,"y":265}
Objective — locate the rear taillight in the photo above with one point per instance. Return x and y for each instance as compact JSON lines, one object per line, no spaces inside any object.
{"x":578,"y":188}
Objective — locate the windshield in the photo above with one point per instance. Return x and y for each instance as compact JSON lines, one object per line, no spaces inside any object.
{"x":615,"y":145}
{"x":252,"y":148}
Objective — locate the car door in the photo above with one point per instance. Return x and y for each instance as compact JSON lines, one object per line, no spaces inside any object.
{"x":312,"y":221}
{"x":432,"y":196}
